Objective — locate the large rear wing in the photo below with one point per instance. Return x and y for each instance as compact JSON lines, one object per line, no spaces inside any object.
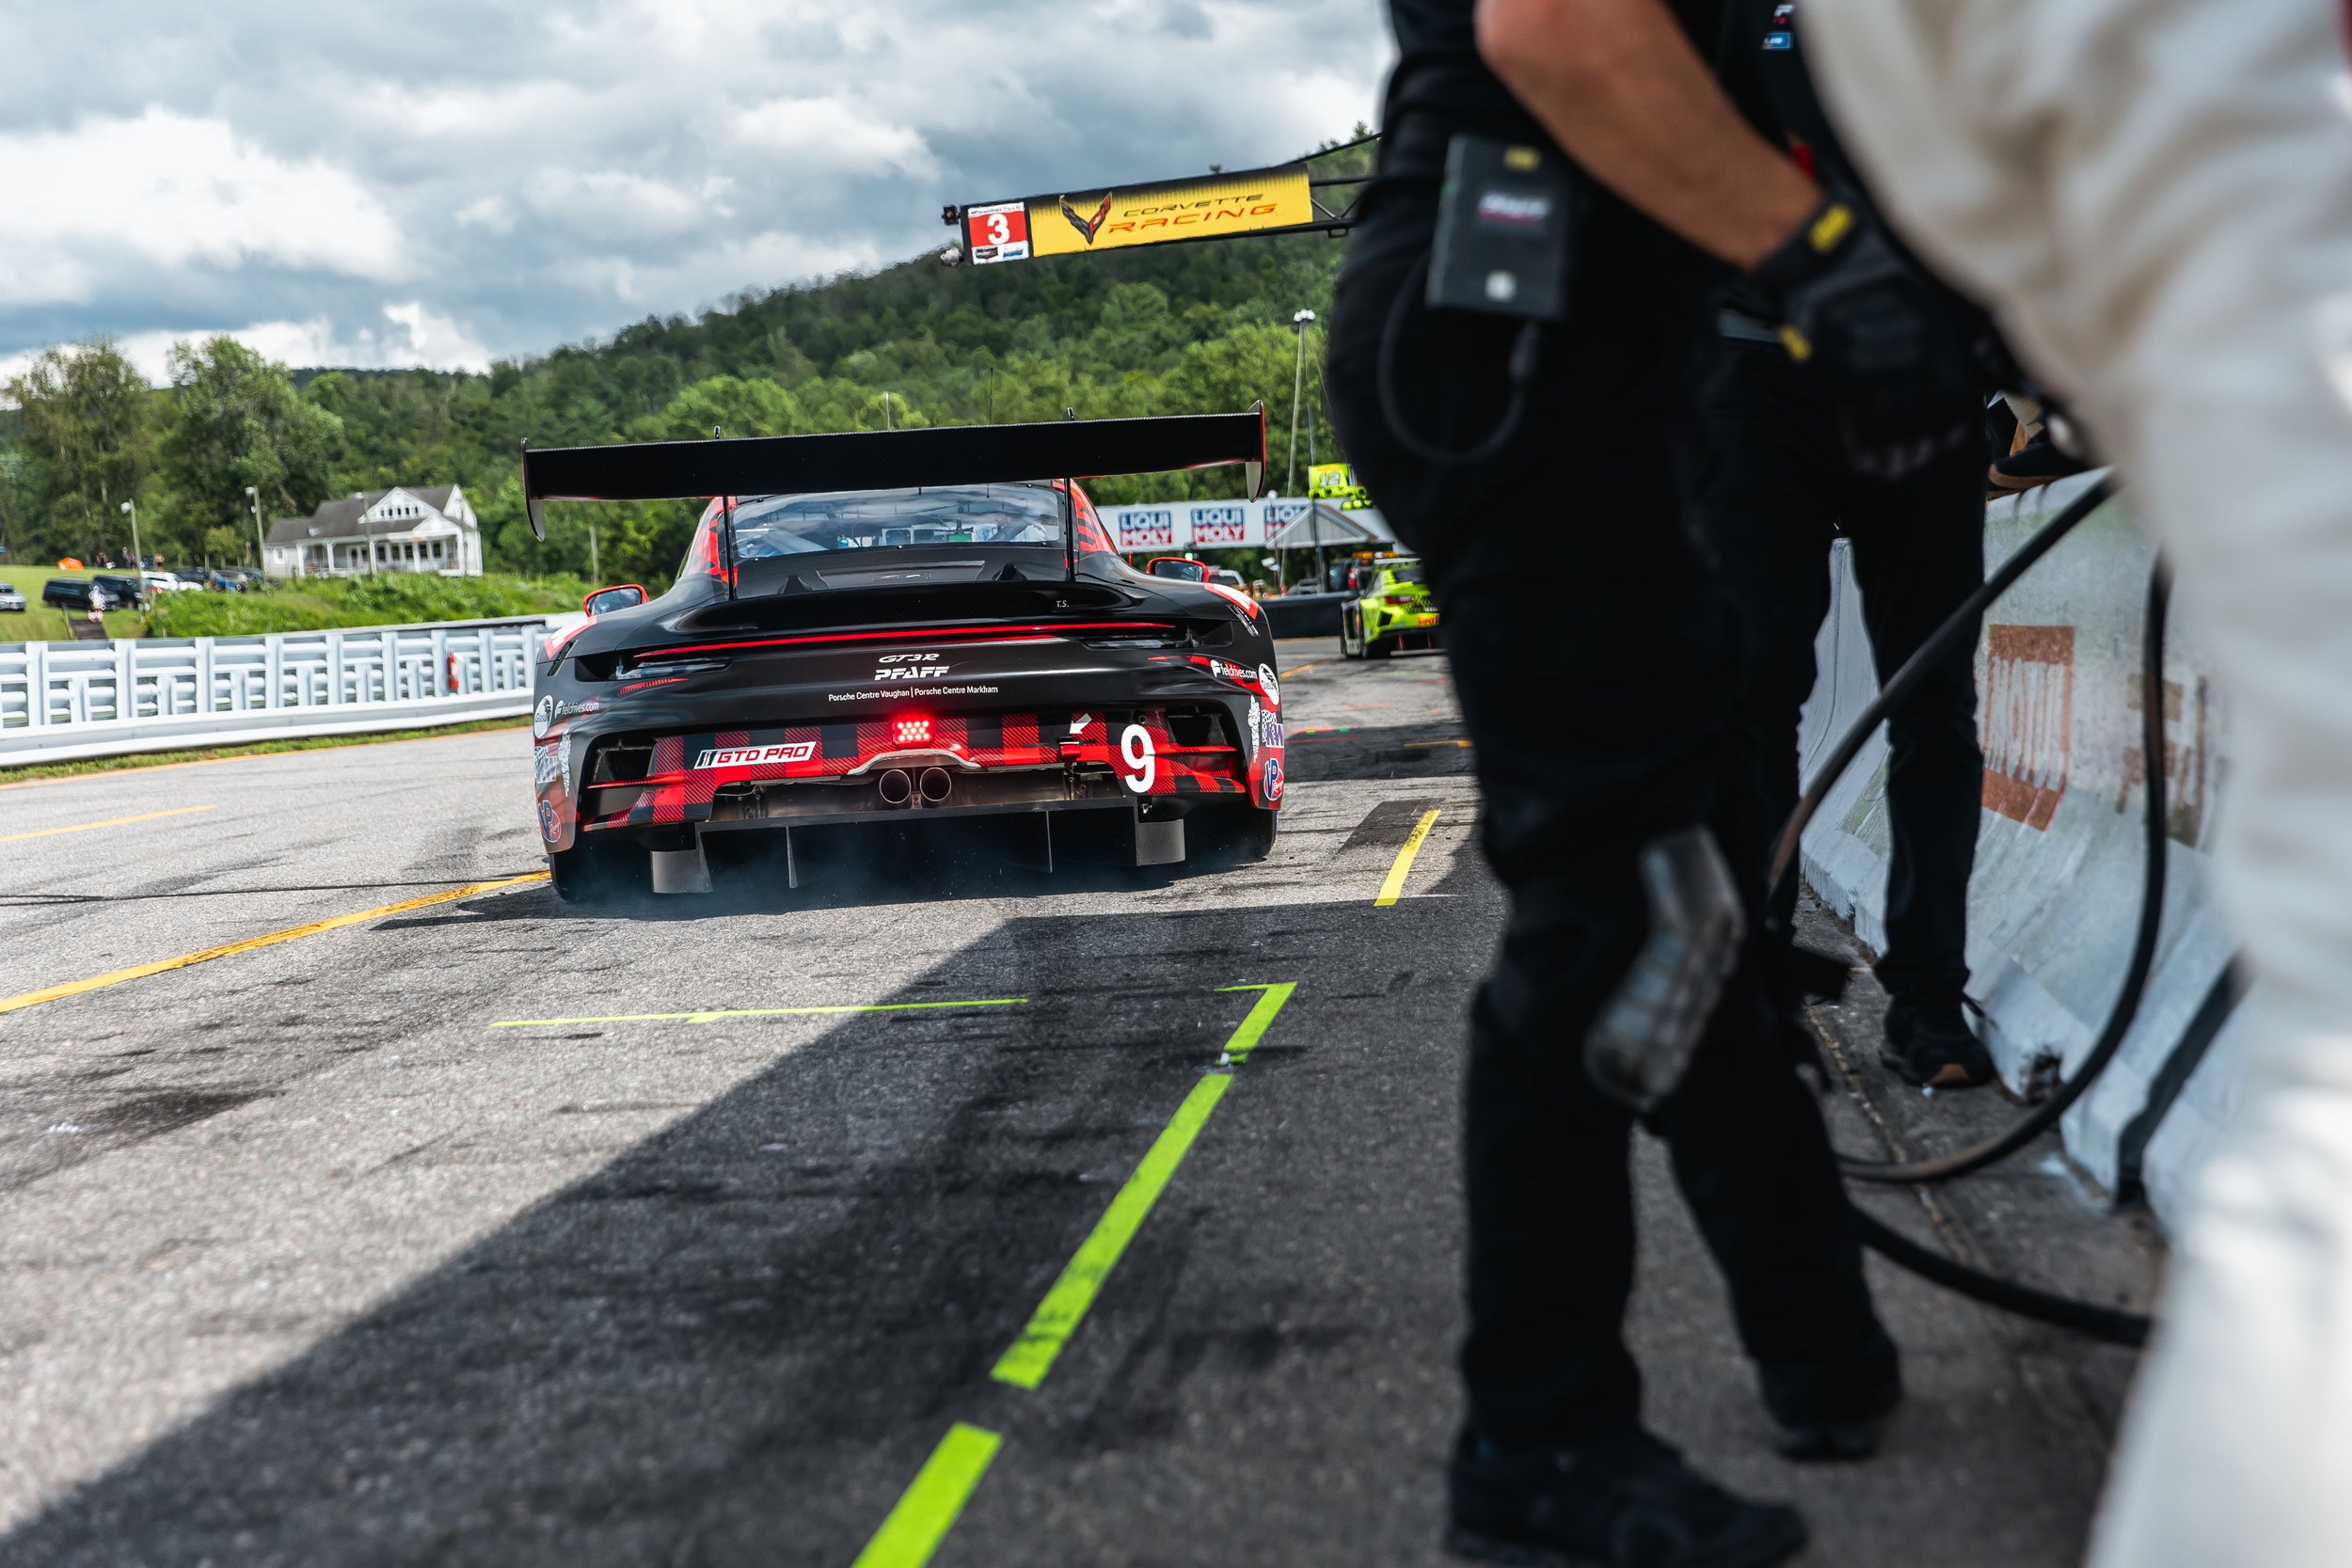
{"x":892,"y":459}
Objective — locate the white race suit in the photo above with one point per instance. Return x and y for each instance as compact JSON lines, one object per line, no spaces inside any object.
{"x":2156,"y":196}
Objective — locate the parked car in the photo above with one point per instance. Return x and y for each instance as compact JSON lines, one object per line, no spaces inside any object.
{"x":233,"y":579}
{"x":74,"y":593}
{"x":168,"y":582}
{"x":9,"y":597}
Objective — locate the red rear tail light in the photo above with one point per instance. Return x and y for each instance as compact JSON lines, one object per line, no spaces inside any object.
{"x":912,"y":731}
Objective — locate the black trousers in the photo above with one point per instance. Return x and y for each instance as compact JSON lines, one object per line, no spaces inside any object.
{"x":1597,"y":665}
{"x":1776,"y":492}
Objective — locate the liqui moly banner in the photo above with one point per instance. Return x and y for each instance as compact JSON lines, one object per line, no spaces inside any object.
{"x":1222,"y":525}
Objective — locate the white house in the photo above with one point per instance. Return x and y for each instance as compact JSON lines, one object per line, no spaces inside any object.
{"x":430,"y":529}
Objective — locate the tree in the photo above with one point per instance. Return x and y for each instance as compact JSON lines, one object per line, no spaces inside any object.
{"x":240,"y":423}
{"x":89,"y":425}
{"x":223,"y":544}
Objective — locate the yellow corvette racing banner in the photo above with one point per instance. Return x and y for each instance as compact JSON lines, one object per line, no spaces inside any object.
{"x":1102,"y":218}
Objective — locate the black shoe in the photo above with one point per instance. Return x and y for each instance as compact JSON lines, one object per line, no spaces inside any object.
{"x":1929,"y":1042}
{"x":2035,"y":464}
{"x":1626,"y":1501}
{"x":1837,"y":1412}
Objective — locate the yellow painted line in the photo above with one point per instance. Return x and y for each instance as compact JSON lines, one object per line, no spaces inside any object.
{"x":1393,"y":889}
{"x":926,"y":1510}
{"x":714,"y":1016}
{"x":1299,"y":670}
{"x":110,"y":822}
{"x":1253,"y":1028}
{"x":1412,"y":743}
{"x":292,"y":933}
{"x":1030,"y":1356}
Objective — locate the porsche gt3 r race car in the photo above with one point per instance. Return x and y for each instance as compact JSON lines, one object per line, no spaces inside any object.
{"x":893,"y":626}
{"x":1392,"y":611}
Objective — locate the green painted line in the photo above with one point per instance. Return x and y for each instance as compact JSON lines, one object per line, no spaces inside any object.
{"x":926,"y":1510}
{"x":714,"y":1016}
{"x":1253,"y":1028}
{"x":1057,"y":1318}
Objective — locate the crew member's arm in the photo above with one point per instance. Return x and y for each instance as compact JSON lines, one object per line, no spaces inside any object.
{"x":1619,"y":86}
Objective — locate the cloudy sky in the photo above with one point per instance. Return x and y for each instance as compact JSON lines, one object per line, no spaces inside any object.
{"x":437,"y":183}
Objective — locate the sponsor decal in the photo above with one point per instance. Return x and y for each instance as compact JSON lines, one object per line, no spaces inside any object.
{"x":910,"y":667}
{"x":550,"y":710}
{"x":913,"y":692}
{"x":1257,"y":717}
{"x":2029,"y":718}
{"x":546,"y":762}
{"x":564,"y":756}
{"x":1267,"y":684}
{"x":756,"y":756}
{"x":1273,"y":777}
{"x":998,"y":232}
{"x":548,"y":828}
{"x":1779,"y":42}
{"x":1139,"y":763}
{"x":1273,"y":739}
{"x":1078,"y":725}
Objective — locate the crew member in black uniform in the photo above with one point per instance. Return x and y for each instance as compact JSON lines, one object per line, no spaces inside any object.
{"x":1598,"y":663}
{"x":1779,"y":486}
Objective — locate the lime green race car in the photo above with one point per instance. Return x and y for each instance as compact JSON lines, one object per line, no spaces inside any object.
{"x":1392,"y":612}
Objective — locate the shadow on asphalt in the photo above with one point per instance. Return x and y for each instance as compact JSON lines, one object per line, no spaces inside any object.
{"x":737,"y":1340}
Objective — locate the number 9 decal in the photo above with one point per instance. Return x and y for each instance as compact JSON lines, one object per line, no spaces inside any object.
{"x":1139,"y":763}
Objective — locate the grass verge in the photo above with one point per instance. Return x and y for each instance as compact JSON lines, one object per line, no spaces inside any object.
{"x":254,"y":749}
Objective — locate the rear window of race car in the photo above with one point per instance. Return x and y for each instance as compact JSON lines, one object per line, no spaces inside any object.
{"x":771,"y":526}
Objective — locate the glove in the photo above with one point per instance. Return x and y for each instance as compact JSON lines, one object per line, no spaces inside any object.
{"x":1872,"y":328}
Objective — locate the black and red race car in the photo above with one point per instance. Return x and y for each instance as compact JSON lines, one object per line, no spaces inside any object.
{"x":886,"y":627}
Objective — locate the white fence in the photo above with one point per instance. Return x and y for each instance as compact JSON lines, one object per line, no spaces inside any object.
{"x":60,"y":701}
{"x":2055,"y":893}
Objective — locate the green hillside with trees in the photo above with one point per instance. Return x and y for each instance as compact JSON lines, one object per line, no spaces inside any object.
{"x":1179,"y":330}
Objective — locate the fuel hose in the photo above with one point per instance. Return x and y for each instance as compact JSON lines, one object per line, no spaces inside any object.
{"x":2102,"y":1322}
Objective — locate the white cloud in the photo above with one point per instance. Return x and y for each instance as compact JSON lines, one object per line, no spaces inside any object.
{"x":412,"y":335}
{"x":523,"y":177}
{"x":106,"y":196}
{"x":834,"y":135}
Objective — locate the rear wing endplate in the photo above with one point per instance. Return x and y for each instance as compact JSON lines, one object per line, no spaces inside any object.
{"x":892,"y":459}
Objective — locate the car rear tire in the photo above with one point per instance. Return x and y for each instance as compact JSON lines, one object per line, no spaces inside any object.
{"x":595,"y":873}
{"x":1255,"y":834}
{"x":1377,"y":647}
{"x":1351,"y":633}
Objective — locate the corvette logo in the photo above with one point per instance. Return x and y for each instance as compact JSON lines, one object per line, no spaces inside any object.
{"x":1087,"y":226}
{"x":756,"y":756}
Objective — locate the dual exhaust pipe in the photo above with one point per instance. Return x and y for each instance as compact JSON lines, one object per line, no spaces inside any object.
{"x":898,"y":787}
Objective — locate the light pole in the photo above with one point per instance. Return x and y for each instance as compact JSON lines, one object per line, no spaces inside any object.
{"x":138,"y":561}
{"x":1303,"y":319}
{"x":260,"y":562}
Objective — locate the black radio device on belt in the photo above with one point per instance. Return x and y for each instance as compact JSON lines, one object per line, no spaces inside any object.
{"x":1505,"y":247}
{"x":1506,"y":215}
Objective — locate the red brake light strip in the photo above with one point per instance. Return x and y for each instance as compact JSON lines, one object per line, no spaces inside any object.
{"x":929,"y":634}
